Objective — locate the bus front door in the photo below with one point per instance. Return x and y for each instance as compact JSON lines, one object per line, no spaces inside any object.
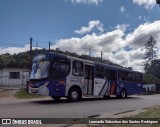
{"x":89,"y":80}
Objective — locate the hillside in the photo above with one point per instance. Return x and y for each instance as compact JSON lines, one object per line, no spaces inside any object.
{"x":22,"y":59}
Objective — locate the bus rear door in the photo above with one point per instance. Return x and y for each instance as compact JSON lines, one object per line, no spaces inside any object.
{"x":89,"y":80}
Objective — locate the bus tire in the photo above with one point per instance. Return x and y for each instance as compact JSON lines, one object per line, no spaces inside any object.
{"x":56,"y":98}
{"x":74,"y":95}
{"x":123,"y":94}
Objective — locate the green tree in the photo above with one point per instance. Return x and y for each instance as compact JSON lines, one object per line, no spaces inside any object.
{"x":150,"y":54}
{"x":149,"y":78}
{"x":6,"y":59}
{"x":22,"y":60}
{"x":153,"y":68}
{"x":150,"y":47}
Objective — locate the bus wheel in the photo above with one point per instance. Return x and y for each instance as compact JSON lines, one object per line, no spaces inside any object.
{"x":123,"y":94}
{"x":56,"y":98}
{"x":74,"y":95}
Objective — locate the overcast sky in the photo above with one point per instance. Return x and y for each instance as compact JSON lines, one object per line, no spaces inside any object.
{"x":119,"y":28}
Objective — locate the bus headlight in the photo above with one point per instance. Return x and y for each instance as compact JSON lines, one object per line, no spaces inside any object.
{"x":46,"y":84}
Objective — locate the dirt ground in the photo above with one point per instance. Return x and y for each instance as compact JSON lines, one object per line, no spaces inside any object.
{"x":7,"y":94}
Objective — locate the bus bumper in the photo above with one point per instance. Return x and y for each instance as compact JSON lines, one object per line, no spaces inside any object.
{"x":42,"y":90}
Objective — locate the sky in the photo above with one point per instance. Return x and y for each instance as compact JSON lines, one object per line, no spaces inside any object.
{"x":118,"y":28}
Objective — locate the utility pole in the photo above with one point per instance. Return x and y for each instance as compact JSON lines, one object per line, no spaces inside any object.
{"x":37,"y":45}
{"x":49,"y":46}
{"x":31,"y":52}
{"x":89,"y":52}
{"x":101,"y":55}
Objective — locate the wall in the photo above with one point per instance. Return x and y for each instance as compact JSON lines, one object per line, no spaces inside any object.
{"x":149,"y":87}
{"x":5,"y":79}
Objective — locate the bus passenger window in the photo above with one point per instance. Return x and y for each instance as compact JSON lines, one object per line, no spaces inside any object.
{"x":110,"y":74}
{"x":77,"y":68}
{"x":100,"y":72}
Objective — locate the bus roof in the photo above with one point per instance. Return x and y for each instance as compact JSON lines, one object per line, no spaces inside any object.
{"x":116,"y":67}
{"x":92,"y":62}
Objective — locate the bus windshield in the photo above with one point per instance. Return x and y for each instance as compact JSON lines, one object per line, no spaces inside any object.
{"x":40,"y":70}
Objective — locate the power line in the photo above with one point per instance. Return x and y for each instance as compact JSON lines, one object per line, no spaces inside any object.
{"x":37,"y":45}
{"x":6,"y":43}
{"x":49,"y":46}
{"x":39,"y":41}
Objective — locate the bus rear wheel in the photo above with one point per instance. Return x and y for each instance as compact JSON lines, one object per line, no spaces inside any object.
{"x":123,"y":94}
{"x":74,"y":95}
{"x":56,"y":98}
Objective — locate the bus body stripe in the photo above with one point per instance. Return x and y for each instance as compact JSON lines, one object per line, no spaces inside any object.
{"x":107,"y":91}
{"x":105,"y":86}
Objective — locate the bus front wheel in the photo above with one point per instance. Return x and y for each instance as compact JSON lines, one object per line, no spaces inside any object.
{"x":74,"y":95}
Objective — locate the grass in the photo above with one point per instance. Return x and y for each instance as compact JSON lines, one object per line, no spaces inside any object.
{"x":153,"y":112}
{"x":23,"y":94}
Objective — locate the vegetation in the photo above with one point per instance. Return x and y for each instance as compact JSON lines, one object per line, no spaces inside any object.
{"x":23,"y":94}
{"x":150,"y":113}
{"x":149,"y":78}
{"x":22,"y":60}
{"x":19,"y":60}
{"x":153,"y":68}
{"x":150,"y":53}
{"x":152,"y":65}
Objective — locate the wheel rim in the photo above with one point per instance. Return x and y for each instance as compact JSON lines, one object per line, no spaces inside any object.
{"x":123,"y":94}
{"x":74,"y":95}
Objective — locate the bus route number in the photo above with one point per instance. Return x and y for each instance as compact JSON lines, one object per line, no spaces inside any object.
{"x":61,"y":82}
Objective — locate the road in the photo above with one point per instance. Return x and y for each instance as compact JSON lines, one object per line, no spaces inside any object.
{"x":47,"y":108}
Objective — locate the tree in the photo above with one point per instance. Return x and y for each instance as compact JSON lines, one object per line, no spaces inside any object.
{"x":23,"y":59}
{"x":5,"y":60}
{"x":153,"y":68}
{"x":149,"y":78}
{"x":150,"y":53}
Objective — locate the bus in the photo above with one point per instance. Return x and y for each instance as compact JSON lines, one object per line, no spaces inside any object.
{"x":59,"y":76}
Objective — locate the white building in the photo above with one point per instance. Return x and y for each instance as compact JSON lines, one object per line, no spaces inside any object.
{"x":14,"y":76}
{"x":149,"y":87}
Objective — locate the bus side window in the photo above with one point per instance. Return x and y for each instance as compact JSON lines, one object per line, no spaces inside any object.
{"x":110,"y":74}
{"x":77,"y":68}
{"x":100,"y":72}
{"x":123,"y":75}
